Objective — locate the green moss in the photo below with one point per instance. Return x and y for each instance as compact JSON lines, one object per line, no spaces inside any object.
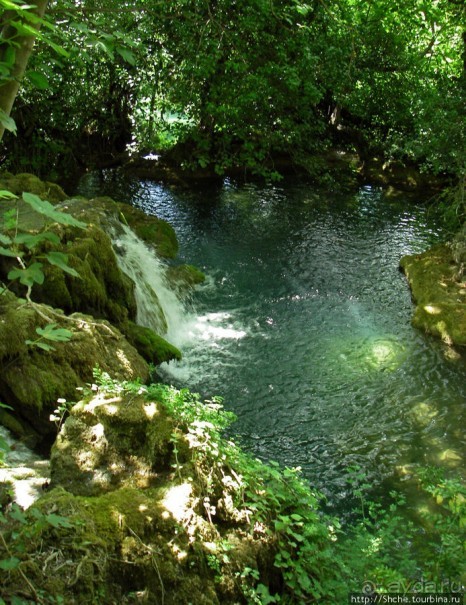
{"x":185,"y":277}
{"x":152,"y":230}
{"x":20,"y":183}
{"x":101,"y":290}
{"x":440,"y":297}
{"x":150,"y":345}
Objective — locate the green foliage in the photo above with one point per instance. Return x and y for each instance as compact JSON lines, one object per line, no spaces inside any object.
{"x":51,"y":333}
{"x":20,"y":528}
{"x":20,"y":244}
{"x":245,"y":84}
{"x":316,"y":558}
{"x":61,"y":411}
{"x":4,"y":447}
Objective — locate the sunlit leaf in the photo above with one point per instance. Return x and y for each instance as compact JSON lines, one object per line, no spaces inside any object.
{"x":7,"y":195}
{"x":61,"y":260}
{"x":7,"y":122}
{"x":38,"y":80}
{"x":51,"y":332}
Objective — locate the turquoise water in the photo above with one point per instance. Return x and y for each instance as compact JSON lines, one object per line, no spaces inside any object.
{"x":303,"y":326}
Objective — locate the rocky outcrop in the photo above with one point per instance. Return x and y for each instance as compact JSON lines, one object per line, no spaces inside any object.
{"x":33,"y":379}
{"x":98,"y":306}
{"x":439,"y":291}
{"x":143,"y":519}
{"x":19,"y":183}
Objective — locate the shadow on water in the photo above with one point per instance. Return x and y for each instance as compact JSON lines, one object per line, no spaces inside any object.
{"x":303,"y":326}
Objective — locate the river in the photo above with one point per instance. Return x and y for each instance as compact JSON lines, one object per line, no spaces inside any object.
{"x":303,"y":325}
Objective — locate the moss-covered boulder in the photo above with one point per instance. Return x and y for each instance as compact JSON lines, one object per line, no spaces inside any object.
{"x":150,"y":345}
{"x":144,"y":521}
{"x":109,"y":214}
{"x":102,"y":289}
{"x":184,"y":278}
{"x":439,"y":291}
{"x":20,"y":183}
{"x":110,"y":441}
{"x":156,"y":232}
{"x":32,"y":379}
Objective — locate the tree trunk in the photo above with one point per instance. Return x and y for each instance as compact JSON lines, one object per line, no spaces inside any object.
{"x":23,"y":47}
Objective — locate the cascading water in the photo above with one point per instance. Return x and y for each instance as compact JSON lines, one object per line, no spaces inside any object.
{"x":158,"y":306}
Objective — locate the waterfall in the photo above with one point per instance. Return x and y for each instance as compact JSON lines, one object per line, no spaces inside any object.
{"x":158,"y":306}
{"x":198,"y":335}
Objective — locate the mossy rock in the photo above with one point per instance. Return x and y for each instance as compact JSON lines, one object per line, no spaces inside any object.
{"x":25,"y":182}
{"x":150,"y":345}
{"x":101,"y":289}
{"x":154,"y":231}
{"x":111,"y":442}
{"x":110,"y":549}
{"x":440,"y":296}
{"x":185,"y":277}
{"x":31,"y":379}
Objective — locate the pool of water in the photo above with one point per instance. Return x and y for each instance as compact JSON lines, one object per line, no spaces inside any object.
{"x":303,"y":325}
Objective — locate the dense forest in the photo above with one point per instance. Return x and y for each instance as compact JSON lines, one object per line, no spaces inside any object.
{"x":148,"y":500}
{"x":223,"y":85}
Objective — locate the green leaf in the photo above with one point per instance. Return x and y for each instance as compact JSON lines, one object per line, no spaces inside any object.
{"x":17,"y":514}
{"x":58,"y":49}
{"x":51,"y":332}
{"x":9,"y":564}
{"x":41,"y":345}
{"x":7,"y":122}
{"x":29,"y":276}
{"x":126,"y":54}
{"x":38,"y":80}
{"x":57,"y":521}
{"x":8,"y":252}
{"x":31,"y":241}
{"x":61,"y":260}
{"x":7,"y":195}
{"x":48,"y":210}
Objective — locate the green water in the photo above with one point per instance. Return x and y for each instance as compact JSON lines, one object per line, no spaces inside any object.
{"x":303,"y":326}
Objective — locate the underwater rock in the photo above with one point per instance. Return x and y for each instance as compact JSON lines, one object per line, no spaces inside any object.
{"x":439,"y":291}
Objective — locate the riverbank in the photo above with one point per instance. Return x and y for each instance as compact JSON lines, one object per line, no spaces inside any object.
{"x":149,"y":503}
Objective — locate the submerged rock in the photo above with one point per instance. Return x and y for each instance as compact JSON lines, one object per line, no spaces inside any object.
{"x":439,"y":291}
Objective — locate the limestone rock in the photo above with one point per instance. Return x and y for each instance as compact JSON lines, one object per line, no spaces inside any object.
{"x":439,"y":293}
{"x":32,"y":379}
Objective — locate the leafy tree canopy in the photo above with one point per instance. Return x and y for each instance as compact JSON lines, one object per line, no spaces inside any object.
{"x":238,"y":83}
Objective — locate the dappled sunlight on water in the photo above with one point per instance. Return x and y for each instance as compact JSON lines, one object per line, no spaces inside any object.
{"x":303,"y":326}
